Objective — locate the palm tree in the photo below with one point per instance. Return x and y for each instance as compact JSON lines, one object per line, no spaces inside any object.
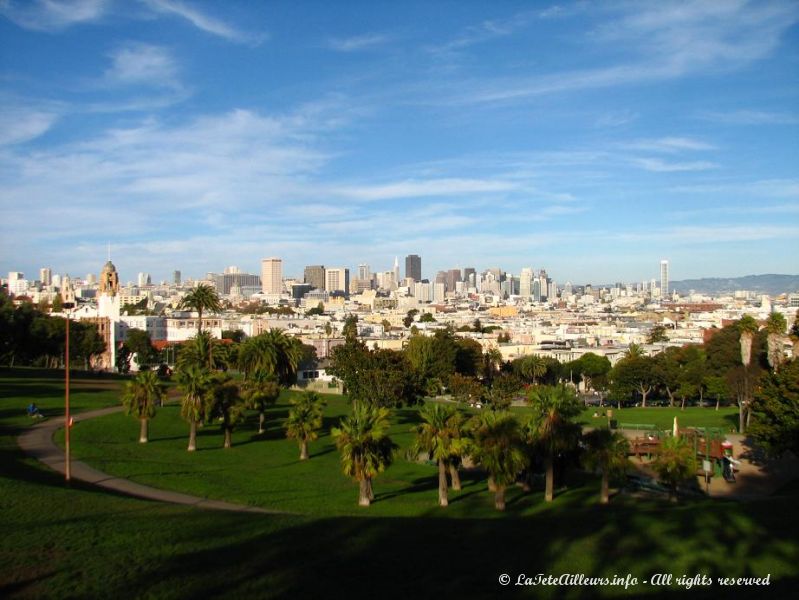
{"x":195,"y":381}
{"x":776,"y":326}
{"x":533,"y":367}
{"x":140,"y":397}
{"x":304,"y":420}
{"x":747,"y":328}
{"x":440,"y":436}
{"x":634,"y":351}
{"x":225,"y":403}
{"x":606,"y":452}
{"x":499,"y":448}
{"x":261,"y":390}
{"x":202,"y":350}
{"x":201,"y":299}
{"x":272,"y":352}
{"x":492,"y":359}
{"x":366,"y":450}
{"x":675,"y":462}
{"x":551,"y":429}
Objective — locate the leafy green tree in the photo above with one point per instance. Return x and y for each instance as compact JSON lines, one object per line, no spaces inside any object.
{"x":440,"y":436}
{"x":195,"y":381}
{"x":675,"y":463}
{"x":465,"y":389}
{"x":593,"y":369}
{"x":657,"y":334}
{"x":634,"y":351}
{"x":408,"y":319}
{"x":692,"y":361}
{"x":305,"y":420}
{"x":492,"y":361}
{"x":606,"y":452}
{"x":633,"y":374}
{"x":366,"y":449}
{"x":716,"y":388}
{"x":499,"y":448}
{"x":139,"y":343}
{"x":381,"y":377}
{"x":202,"y":298}
{"x":139,"y":398}
{"x":468,"y":356}
{"x":503,"y":390}
{"x":224,"y":402}
{"x":427,"y":318}
{"x":667,"y":371}
{"x":551,"y":426}
{"x":237,"y":335}
{"x":319,"y":309}
{"x":775,"y":410}
{"x":350,"y":329}
{"x":261,"y":390}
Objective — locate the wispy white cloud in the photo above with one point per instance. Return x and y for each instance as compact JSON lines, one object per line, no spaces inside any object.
{"x":21,"y":124}
{"x":425,"y":188}
{"x":616,"y":118}
{"x":53,"y":15}
{"x":750,"y":117}
{"x":358,"y":42}
{"x":669,"y":145}
{"x":142,"y":64}
{"x":483,"y":32}
{"x":714,"y":234}
{"x":204,"y":22}
{"x":660,"y":166}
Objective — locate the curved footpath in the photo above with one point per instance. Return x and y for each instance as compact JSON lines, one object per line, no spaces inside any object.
{"x":38,"y":443}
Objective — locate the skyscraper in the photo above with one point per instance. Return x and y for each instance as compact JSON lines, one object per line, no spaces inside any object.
{"x":337,"y":280}
{"x":176,"y":276}
{"x":315,"y":275}
{"x":272,"y":275}
{"x":413,"y":267}
{"x":664,"y":278}
{"x":453,"y":277}
{"x":396,"y":270}
{"x":46,"y":276}
{"x":364,"y":274}
{"x":526,"y":282}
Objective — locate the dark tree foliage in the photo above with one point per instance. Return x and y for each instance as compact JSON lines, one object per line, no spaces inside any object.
{"x":138,"y":342}
{"x":775,"y":410}
{"x":468,"y":356}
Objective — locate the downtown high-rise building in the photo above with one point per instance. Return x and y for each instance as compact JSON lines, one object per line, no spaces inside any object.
{"x":453,"y":277}
{"x":470,"y":276}
{"x":46,"y":276}
{"x":413,"y":267}
{"x":315,"y":276}
{"x":664,"y":278}
{"x":526,"y":282}
{"x":272,"y":275}
{"x":176,"y":277}
{"x":337,"y":280}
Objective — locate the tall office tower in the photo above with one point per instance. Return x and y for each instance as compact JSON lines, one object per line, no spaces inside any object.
{"x":272,"y":275}
{"x":567,"y":289}
{"x":664,"y":278}
{"x":439,"y":292}
{"x":364,"y":274}
{"x":469,"y":274}
{"x":315,"y":275}
{"x":46,"y":276}
{"x":453,"y":277}
{"x":413,"y":267}
{"x":441,"y":277}
{"x":231,"y":270}
{"x":337,"y":280}
{"x":143,"y":279}
{"x":176,"y":277}
{"x":526,"y":282}
{"x":396,"y":269}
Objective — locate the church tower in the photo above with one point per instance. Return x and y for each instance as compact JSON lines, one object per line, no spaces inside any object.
{"x":109,"y":280}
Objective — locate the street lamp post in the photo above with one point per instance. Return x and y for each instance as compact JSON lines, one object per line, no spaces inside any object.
{"x":67,"y":420}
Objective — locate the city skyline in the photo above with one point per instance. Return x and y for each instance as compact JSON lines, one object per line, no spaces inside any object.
{"x":593,"y":141}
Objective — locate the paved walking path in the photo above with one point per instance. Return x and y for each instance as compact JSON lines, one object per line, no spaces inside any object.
{"x":38,"y":443}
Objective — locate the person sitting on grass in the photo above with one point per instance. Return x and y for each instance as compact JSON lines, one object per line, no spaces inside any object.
{"x":33,"y":411}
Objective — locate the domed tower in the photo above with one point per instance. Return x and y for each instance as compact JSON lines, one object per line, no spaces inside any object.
{"x":109,"y":280}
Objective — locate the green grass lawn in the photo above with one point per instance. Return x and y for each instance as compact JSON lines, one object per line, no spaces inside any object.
{"x":82,"y":542}
{"x":726,"y":418}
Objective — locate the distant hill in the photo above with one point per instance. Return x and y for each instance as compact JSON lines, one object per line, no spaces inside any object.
{"x":773,"y":285}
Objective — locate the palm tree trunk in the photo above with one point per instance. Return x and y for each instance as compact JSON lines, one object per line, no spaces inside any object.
{"x":199,"y":320}
{"x":370,"y":490}
{"x":304,"y":450}
{"x":550,"y":480}
{"x":228,"y":436}
{"x":192,"y":435}
{"x":143,"y":432}
{"x":363,"y":497}
{"x":603,"y":494}
{"x":741,"y":415}
{"x":261,"y":419}
{"x":499,"y":498}
{"x":455,"y":476}
{"x":442,"y":484}
{"x":492,"y":487}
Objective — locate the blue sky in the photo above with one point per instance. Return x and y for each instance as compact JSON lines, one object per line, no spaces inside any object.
{"x":591,"y":139}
